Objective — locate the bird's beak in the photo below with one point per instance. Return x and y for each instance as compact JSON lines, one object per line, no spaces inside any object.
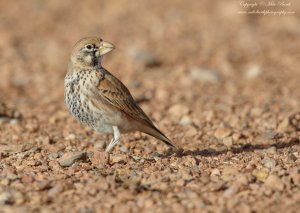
{"x":105,"y":47}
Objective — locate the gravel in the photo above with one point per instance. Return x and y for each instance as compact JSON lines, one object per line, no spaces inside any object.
{"x":221,"y":85}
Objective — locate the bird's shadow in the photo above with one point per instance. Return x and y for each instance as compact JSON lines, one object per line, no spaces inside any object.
{"x":234,"y":150}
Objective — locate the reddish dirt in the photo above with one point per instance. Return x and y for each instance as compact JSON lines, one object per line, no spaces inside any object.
{"x":223,"y":86}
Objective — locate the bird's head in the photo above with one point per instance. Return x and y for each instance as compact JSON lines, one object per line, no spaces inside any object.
{"x":90,"y":51}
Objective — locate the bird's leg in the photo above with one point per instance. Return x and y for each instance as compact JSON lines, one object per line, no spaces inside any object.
{"x":115,"y":140}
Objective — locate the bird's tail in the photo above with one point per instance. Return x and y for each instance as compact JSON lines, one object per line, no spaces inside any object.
{"x":153,"y":131}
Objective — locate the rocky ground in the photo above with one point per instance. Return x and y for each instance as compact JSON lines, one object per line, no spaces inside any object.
{"x":222,"y":85}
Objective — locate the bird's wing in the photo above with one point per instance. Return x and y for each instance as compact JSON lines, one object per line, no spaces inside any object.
{"x":115,"y":92}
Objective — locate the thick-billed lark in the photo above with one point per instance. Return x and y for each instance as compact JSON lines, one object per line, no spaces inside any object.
{"x":98,"y":99}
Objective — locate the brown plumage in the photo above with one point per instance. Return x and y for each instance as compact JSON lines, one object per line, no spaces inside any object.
{"x":98,"y":99}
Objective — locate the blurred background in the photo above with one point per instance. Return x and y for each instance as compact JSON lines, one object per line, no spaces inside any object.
{"x":211,"y":74}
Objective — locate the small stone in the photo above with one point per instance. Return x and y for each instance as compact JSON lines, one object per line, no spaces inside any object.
{"x":8,"y":112}
{"x":6,"y":198}
{"x":136,"y":158}
{"x":222,"y":133}
{"x":185,"y":120}
{"x":253,"y":72}
{"x":68,"y":159}
{"x":100,"y":144}
{"x":179,"y":110}
{"x":215,"y":172}
{"x":245,"y":208}
{"x":271,"y":150}
{"x":53,"y":156}
{"x":218,"y":186}
{"x":260,"y":174}
{"x":269,"y":162}
{"x":270,"y":135}
{"x":10,"y":174}
{"x":11,"y":148}
{"x":54,"y":165}
{"x":192,"y":131}
{"x":236,"y":136}
{"x":4,"y":182}
{"x":294,"y":120}
{"x":32,"y":127}
{"x":256,"y":112}
{"x":31,"y":163}
{"x":162,"y":94}
{"x":292,"y":157}
{"x":55,"y":190}
{"x":99,"y":157}
{"x":41,"y":185}
{"x":229,"y":173}
{"x":38,"y":156}
{"x":228,"y":142}
{"x":204,"y":75}
{"x":118,"y":158}
{"x":242,"y":179}
{"x":230,"y":191}
{"x":209,"y":115}
{"x":27,"y":179}
{"x":70,"y":137}
{"x":283,"y":125}
{"x":274,"y":182}
{"x":124,"y":149}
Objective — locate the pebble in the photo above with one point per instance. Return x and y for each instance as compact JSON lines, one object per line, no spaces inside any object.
{"x":209,"y":115}
{"x":11,"y":148}
{"x":53,"y":156}
{"x":124,"y":149}
{"x":204,"y":75}
{"x":192,"y":131}
{"x":256,"y":112}
{"x":179,"y":110}
{"x":41,"y":185}
{"x":162,"y":94}
{"x":274,"y":182}
{"x":270,"y":135}
{"x":70,"y":137}
{"x":228,"y":142}
{"x":27,"y":179}
{"x":269,"y":162}
{"x":185,"y":120}
{"x":271,"y":150}
{"x":68,"y":159}
{"x":215,"y":172}
{"x":99,"y":157}
{"x":292,"y":157}
{"x":100,"y":144}
{"x":221,"y":133}
{"x":230,"y":191}
{"x":283,"y":125}
{"x":10,"y":174}
{"x":6,"y":198}
{"x":32,"y":127}
{"x":260,"y":174}
{"x":117,"y":158}
{"x":295,"y":121}
{"x":242,"y":179}
{"x":55,"y":190}
{"x":253,"y":72}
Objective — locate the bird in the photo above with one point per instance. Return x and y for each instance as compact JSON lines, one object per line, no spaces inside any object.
{"x":98,"y":99}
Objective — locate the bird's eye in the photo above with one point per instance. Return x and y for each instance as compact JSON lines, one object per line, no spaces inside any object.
{"x":89,"y":46}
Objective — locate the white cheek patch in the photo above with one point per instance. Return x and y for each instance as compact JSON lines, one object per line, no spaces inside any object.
{"x":88,"y":59}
